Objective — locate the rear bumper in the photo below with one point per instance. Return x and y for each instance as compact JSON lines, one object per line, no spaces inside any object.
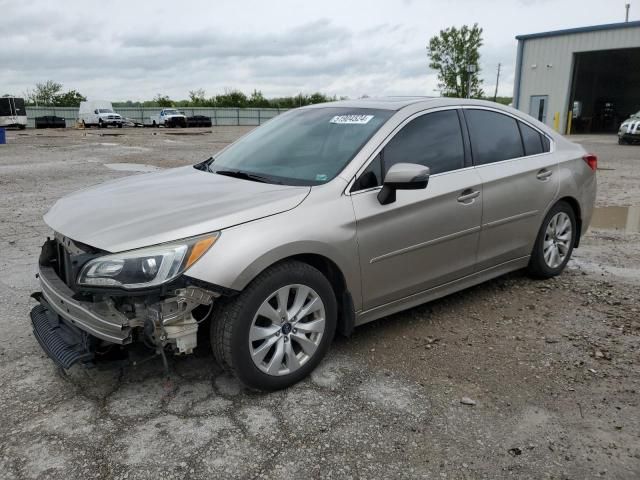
{"x":96,"y":320}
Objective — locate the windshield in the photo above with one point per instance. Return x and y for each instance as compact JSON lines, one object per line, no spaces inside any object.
{"x":105,"y":110}
{"x":636,"y":115}
{"x":303,"y":147}
{"x":171,"y":112}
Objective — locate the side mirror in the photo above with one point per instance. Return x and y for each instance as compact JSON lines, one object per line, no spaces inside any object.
{"x":403,"y":176}
{"x":95,"y":111}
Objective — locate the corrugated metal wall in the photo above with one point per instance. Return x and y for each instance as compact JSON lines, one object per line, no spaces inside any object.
{"x":219,"y":116}
{"x":547,"y":65}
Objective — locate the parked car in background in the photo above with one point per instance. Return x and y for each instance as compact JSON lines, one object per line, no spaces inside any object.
{"x":325,"y":218}
{"x":50,"y":121}
{"x":199,"y":121}
{"x":99,"y":113}
{"x":629,"y":131}
{"x":13,"y":112}
{"x":169,"y":117}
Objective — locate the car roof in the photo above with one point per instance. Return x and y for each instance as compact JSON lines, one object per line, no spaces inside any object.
{"x":398,"y":103}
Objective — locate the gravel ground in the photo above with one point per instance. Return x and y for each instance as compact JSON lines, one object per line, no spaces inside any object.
{"x":511,"y":379}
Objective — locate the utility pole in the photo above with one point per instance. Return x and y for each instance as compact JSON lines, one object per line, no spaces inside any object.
{"x":495,"y":95}
{"x":627,"y":7}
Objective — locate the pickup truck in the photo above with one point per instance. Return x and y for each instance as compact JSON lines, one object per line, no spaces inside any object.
{"x":629,"y":131}
{"x":169,"y":117}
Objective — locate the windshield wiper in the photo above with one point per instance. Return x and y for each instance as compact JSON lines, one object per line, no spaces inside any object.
{"x":245,"y":176}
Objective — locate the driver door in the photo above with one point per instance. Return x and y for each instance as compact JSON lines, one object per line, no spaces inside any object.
{"x":426,"y":237}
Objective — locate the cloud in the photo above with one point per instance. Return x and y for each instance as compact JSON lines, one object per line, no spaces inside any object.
{"x":132,"y":50}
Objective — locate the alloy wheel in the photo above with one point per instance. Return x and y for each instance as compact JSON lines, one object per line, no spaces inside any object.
{"x":287,"y":330}
{"x":557,"y":240}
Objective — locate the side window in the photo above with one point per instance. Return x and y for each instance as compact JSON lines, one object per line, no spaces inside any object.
{"x":546,"y":144}
{"x":531,"y":139}
{"x":371,"y":177}
{"x":494,"y":136}
{"x":433,"y":140}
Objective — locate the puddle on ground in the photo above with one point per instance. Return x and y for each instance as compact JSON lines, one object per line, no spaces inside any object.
{"x":624,"y":219}
{"x":132,"y":167}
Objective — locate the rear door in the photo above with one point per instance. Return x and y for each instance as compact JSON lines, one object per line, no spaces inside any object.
{"x":519,"y":181}
{"x":426,"y":237}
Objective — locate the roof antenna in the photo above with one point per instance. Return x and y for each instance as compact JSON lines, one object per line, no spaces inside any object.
{"x":627,"y":6}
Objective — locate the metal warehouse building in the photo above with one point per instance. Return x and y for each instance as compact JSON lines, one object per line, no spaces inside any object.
{"x":580,"y":80}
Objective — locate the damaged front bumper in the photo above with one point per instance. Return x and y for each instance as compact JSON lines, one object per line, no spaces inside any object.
{"x":100,"y":319}
{"x":71,"y":325}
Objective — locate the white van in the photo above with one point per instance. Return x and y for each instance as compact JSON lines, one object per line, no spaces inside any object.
{"x":100,"y":113}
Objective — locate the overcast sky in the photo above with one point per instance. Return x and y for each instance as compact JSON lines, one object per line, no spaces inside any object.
{"x":132,"y":50}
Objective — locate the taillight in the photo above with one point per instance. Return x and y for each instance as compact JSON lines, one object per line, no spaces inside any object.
{"x":592,"y":161}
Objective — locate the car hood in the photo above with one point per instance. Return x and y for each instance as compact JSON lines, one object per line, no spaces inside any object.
{"x":143,"y":210}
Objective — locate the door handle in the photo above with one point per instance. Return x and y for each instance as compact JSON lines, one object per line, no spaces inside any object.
{"x":544,"y":174}
{"x":468,"y":194}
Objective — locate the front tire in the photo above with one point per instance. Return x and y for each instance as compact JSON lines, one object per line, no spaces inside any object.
{"x":554,"y":243}
{"x":277,"y":330}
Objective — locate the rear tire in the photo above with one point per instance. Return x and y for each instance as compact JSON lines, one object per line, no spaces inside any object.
{"x":292,"y":345}
{"x":555,"y":242}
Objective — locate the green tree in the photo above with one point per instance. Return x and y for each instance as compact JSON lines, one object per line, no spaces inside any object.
{"x":231,"y":98}
{"x":162,"y":101}
{"x":44,"y":93}
{"x":197,"y":97}
{"x":72,"y":98}
{"x":258,"y":100}
{"x":451,"y":53}
{"x":319,"y":98}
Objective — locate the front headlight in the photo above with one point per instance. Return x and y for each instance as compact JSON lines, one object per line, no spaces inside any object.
{"x":146,"y":267}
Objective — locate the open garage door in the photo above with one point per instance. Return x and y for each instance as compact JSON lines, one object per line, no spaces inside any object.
{"x":605,"y":89}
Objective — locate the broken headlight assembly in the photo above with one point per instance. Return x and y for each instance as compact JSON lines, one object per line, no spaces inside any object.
{"x":145,"y":267}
